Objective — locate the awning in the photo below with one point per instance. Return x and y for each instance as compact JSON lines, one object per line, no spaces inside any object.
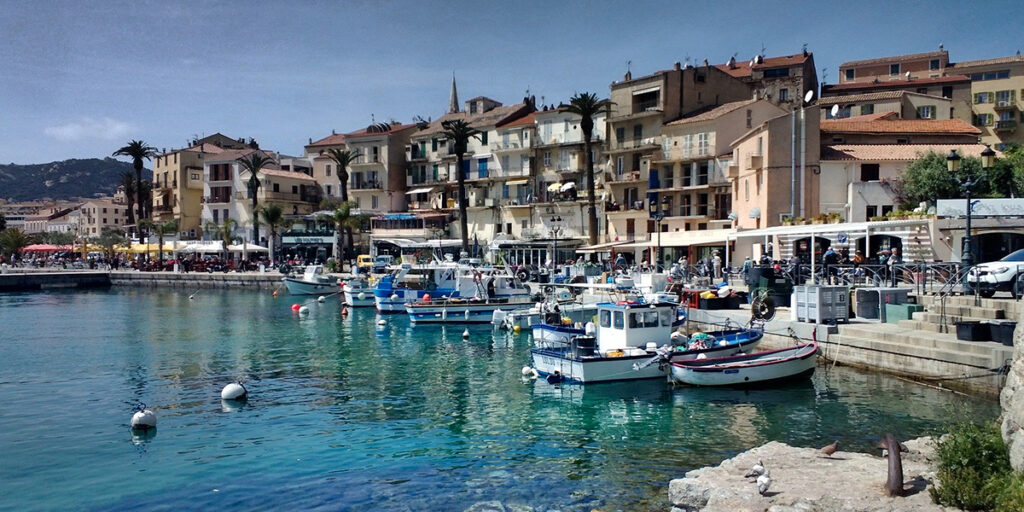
{"x":516,"y":182}
{"x":554,"y":187}
{"x":647,"y":90}
{"x":605,"y":247}
{"x":247,"y":248}
{"x":568,"y":186}
{"x":420,"y":190}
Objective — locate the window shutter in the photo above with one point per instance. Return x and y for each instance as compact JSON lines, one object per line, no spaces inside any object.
{"x":977,"y":97}
{"x":991,"y":97}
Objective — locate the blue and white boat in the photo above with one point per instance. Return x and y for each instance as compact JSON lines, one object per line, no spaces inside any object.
{"x":555,"y":329}
{"x":408,"y":283}
{"x":481,"y":292}
{"x":630,"y":341}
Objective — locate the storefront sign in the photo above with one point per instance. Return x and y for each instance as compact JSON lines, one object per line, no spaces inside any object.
{"x":980,"y":207}
{"x":307,"y":240}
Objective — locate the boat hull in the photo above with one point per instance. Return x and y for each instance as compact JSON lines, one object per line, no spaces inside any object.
{"x":300,"y":287}
{"x":359,"y":297}
{"x":771,"y":367}
{"x":458,"y":313}
{"x":569,"y":365}
{"x":545,"y":334}
{"x":394,"y":300}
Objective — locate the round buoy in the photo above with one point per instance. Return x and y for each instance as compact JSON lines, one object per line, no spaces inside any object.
{"x":303,"y":310}
{"x":295,"y":307}
{"x":143,"y":419}
{"x":527,"y":371}
{"x":382,"y":322}
{"x":234,"y":391}
{"x":275,"y":293}
{"x":394,"y":296}
{"x":465,"y":334}
{"x":534,"y":373}
{"x":426,"y":297}
{"x":344,"y":311}
{"x":361,"y":296}
{"x":516,"y":328}
{"x":321,"y":298}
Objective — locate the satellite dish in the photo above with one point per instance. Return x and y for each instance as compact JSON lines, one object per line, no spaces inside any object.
{"x":809,"y":96}
{"x":835,"y":110}
{"x":907,"y":74}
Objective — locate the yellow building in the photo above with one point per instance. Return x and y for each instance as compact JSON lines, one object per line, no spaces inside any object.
{"x":997,"y":91}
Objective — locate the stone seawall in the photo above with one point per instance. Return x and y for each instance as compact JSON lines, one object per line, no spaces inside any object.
{"x":195,"y":280}
{"x":39,"y":280}
{"x":1012,"y":401}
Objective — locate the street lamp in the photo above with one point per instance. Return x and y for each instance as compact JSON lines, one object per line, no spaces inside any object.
{"x":953,"y":165}
{"x":658,"y":214}
{"x":556,"y":230}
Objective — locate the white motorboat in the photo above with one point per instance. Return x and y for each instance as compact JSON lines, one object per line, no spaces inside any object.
{"x":758,"y":369}
{"x":358,"y":292}
{"x":314,"y":281}
{"x":630,"y":337}
{"x":409,"y":283}
{"x":481,"y":292}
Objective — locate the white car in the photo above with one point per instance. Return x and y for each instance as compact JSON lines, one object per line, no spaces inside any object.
{"x":999,"y":276}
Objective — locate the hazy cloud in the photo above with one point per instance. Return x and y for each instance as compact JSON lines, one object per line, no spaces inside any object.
{"x":103,"y":128}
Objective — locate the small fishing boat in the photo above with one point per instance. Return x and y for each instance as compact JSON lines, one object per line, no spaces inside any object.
{"x":457,"y":310}
{"x":745,"y":370}
{"x":559,"y":328}
{"x":631,"y":337}
{"x":314,"y":281}
{"x":358,"y":292}
{"x":409,"y":283}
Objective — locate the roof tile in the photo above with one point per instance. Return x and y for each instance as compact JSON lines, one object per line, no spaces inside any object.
{"x":896,"y":152}
{"x":858,"y":125}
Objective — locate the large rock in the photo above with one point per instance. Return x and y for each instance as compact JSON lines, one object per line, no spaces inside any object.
{"x":1012,"y":401}
{"x":803,"y":480}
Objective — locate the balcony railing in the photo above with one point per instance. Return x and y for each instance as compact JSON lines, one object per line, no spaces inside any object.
{"x":646,"y":142}
{"x":364,"y":185}
{"x":511,"y":145}
{"x":1006,"y":126}
{"x":1006,"y":104}
{"x":217,"y":199}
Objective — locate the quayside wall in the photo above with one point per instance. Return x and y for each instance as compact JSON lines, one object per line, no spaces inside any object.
{"x":14,"y":281}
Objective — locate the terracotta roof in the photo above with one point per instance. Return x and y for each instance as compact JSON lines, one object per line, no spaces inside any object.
{"x":228,"y":155}
{"x":986,"y":62}
{"x":894,"y":58}
{"x":335,"y":139}
{"x":287,"y":174}
{"x":877,"y":116}
{"x":854,"y":125}
{"x":874,"y":96}
{"x":713,"y":113}
{"x":526,"y":120}
{"x":743,"y":68}
{"x":905,"y":152}
{"x":492,"y":117}
{"x":893,"y":84}
{"x":365,"y":132}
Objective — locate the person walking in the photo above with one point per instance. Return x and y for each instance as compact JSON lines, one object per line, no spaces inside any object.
{"x":716,"y":264}
{"x":894,"y":260}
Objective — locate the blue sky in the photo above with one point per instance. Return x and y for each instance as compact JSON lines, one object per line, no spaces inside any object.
{"x":81,"y":78}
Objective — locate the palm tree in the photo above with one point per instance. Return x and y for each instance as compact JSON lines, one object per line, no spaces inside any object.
{"x":253,"y":163}
{"x":458,"y":133}
{"x":343,"y":221}
{"x":110,"y":237}
{"x":343,"y":158}
{"x":12,"y":240}
{"x":160,"y":228}
{"x":272,"y":215}
{"x":137,"y":151}
{"x":128,"y":182}
{"x":224,"y":232}
{"x":146,"y":193}
{"x":587,"y":105}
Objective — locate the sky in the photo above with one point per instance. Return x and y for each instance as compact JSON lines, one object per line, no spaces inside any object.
{"x":79,"y":79}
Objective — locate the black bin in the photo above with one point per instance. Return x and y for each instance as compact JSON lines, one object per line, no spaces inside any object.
{"x":973,"y":331}
{"x":716,"y":303}
{"x":585,"y":346}
{"x":1002,"y":331}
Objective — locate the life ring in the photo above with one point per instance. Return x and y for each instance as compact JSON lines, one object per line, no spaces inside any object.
{"x":522,"y":275}
{"x":625,"y":302}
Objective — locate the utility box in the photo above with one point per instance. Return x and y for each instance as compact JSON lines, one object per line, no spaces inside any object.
{"x":871,"y":301}
{"x":896,"y":312}
{"x":821,"y":304}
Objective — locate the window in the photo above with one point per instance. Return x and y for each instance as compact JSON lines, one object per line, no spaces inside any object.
{"x":867,"y":109}
{"x":327,"y":169}
{"x":277,"y":187}
{"x":295,"y":189}
{"x":481,"y":167}
{"x":618,"y":317}
{"x":483,"y":137}
{"x":433,"y":144}
{"x":983,"y":97}
{"x":922,"y":90}
{"x":328,"y":190}
{"x":947,"y":91}
{"x":1003,"y":116}
{"x":472,"y":108}
{"x":638,"y":131}
{"x":506,"y":191}
{"x":505,"y":163}
{"x":776,"y":73}
{"x":886,"y":209}
{"x":373,"y":202}
{"x":620,"y":134}
{"x":990,"y":75}
{"x":894,"y":69}
{"x":869,"y":172}
{"x":783,"y":94}
{"x":1004,"y":98}
{"x":563,"y":159}
{"x":870,"y":211}
{"x":215,"y":215}
{"x":104,"y":210}
{"x":983,"y":119}
{"x":547,"y":160}
{"x":849,"y":74}
{"x":926,"y":112}
{"x":933,"y":65}
{"x":620,"y":165}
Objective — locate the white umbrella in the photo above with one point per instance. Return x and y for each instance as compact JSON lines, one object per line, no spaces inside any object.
{"x":568,"y":186}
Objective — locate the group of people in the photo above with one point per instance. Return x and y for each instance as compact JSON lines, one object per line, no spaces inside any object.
{"x":831,"y":263}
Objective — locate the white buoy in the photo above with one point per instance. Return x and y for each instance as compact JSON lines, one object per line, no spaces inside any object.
{"x":304,"y":310}
{"x":361,"y":295}
{"x":534,"y":373}
{"x":143,"y":419}
{"x":465,"y":334}
{"x":234,"y":391}
{"x":321,"y":298}
{"x":527,"y":371}
{"x":394,"y":296}
{"x":702,"y":356}
{"x":382,"y":322}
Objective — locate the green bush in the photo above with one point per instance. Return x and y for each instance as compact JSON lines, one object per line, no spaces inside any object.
{"x":974,"y":470}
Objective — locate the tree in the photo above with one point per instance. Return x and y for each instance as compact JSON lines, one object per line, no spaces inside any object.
{"x":253,"y":163}
{"x":128,"y":181}
{"x":458,"y":132}
{"x":58,"y":238}
{"x":166,"y":227}
{"x":3,"y":222}
{"x":137,"y":151}
{"x":928,"y":179}
{"x":587,"y":105}
{"x":12,"y":240}
{"x":272,"y":216}
{"x":342,"y":220}
{"x":109,"y":238}
{"x":224,"y":232}
{"x":343,"y":158}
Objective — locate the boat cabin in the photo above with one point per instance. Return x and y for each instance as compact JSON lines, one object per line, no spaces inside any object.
{"x":316,"y":274}
{"x":426,"y":277}
{"x":633,"y":324}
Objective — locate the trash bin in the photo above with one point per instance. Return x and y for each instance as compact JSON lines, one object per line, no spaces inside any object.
{"x":973,"y":331}
{"x":1002,"y":331}
{"x":871,"y":301}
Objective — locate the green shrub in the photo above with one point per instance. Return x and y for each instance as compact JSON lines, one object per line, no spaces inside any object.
{"x":974,"y":470}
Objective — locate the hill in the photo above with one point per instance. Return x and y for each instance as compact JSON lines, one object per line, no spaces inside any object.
{"x":86,"y":178}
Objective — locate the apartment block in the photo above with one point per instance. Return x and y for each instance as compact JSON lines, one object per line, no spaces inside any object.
{"x":325,"y":170}
{"x":997,"y":98}
{"x":377,"y":178}
{"x":97,"y":214}
{"x":784,"y":80}
{"x":905,"y":104}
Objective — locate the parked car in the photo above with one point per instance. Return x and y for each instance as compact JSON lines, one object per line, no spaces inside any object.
{"x":381,"y":263}
{"x":999,"y":276}
{"x":364,"y":261}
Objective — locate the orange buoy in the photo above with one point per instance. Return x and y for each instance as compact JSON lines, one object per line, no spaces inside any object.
{"x":275,"y":293}
{"x":426,"y":297}
{"x":344,"y":311}
{"x":295,"y":307}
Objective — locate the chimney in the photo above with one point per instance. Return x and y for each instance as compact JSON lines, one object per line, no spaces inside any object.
{"x":677,"y":66}
{"x":628,"y":76}
{"x":732,"y":62}
{"x":705,"y":63}
{"x":333,"y":132}
{"x":311,"y":140}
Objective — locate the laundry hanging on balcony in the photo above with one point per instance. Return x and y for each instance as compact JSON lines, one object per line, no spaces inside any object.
{"x":554,"y":187}
{"x":568,"y":186}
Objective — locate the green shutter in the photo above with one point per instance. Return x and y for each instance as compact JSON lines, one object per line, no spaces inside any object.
{"x":483,"y":137}
{"x":433,"y":143}
{"x":977,"y":97}
{"x":991,"y":97}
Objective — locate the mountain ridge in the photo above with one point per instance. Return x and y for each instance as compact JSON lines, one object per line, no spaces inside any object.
{"x":66,"y":179}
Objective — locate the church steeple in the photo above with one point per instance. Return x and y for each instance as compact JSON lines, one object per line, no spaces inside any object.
{"x":453,"y":100}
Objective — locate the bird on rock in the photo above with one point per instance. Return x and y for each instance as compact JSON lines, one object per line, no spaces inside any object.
{"x":830,"y":449}
{"x":755,"y":471}
{"x":763,"y":483}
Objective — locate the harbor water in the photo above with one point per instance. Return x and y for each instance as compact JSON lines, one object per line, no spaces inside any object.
{"x":346,"y":415}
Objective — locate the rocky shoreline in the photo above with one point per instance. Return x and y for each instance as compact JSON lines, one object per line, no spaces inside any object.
{"x":804,"y":480}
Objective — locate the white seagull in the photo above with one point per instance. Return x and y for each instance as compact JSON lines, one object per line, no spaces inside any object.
{"x":755,"y":471}
{"x":763,"y":483}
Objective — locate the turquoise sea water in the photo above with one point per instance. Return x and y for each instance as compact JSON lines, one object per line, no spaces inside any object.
{"x":345,"y":416}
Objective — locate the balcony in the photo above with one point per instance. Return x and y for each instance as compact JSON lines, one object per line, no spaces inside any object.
{"x":635,"y":144}
{"x":291,"y":197}
{"x":511,"y":145}
{"x":367,"y":162}
{"x":163,"y":208}
{"x":1006,"y":126}
{"x":755,"y":161}
{"x":364,"y":185}
{"x":216,"y":199}
{"x":413,"y":154}
{"x":1006,"y":104}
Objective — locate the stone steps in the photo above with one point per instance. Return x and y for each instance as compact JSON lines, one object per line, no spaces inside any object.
{"x":922,"y":343}
{"x":984,"y":356}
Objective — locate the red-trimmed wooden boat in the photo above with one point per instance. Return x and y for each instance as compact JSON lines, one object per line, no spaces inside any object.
{"x":744,"y":370}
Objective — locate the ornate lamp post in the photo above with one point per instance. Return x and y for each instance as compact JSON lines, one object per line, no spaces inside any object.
{"x":953,"y":165}
{"x":556,"y":231}
{"x":658,"y":214}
